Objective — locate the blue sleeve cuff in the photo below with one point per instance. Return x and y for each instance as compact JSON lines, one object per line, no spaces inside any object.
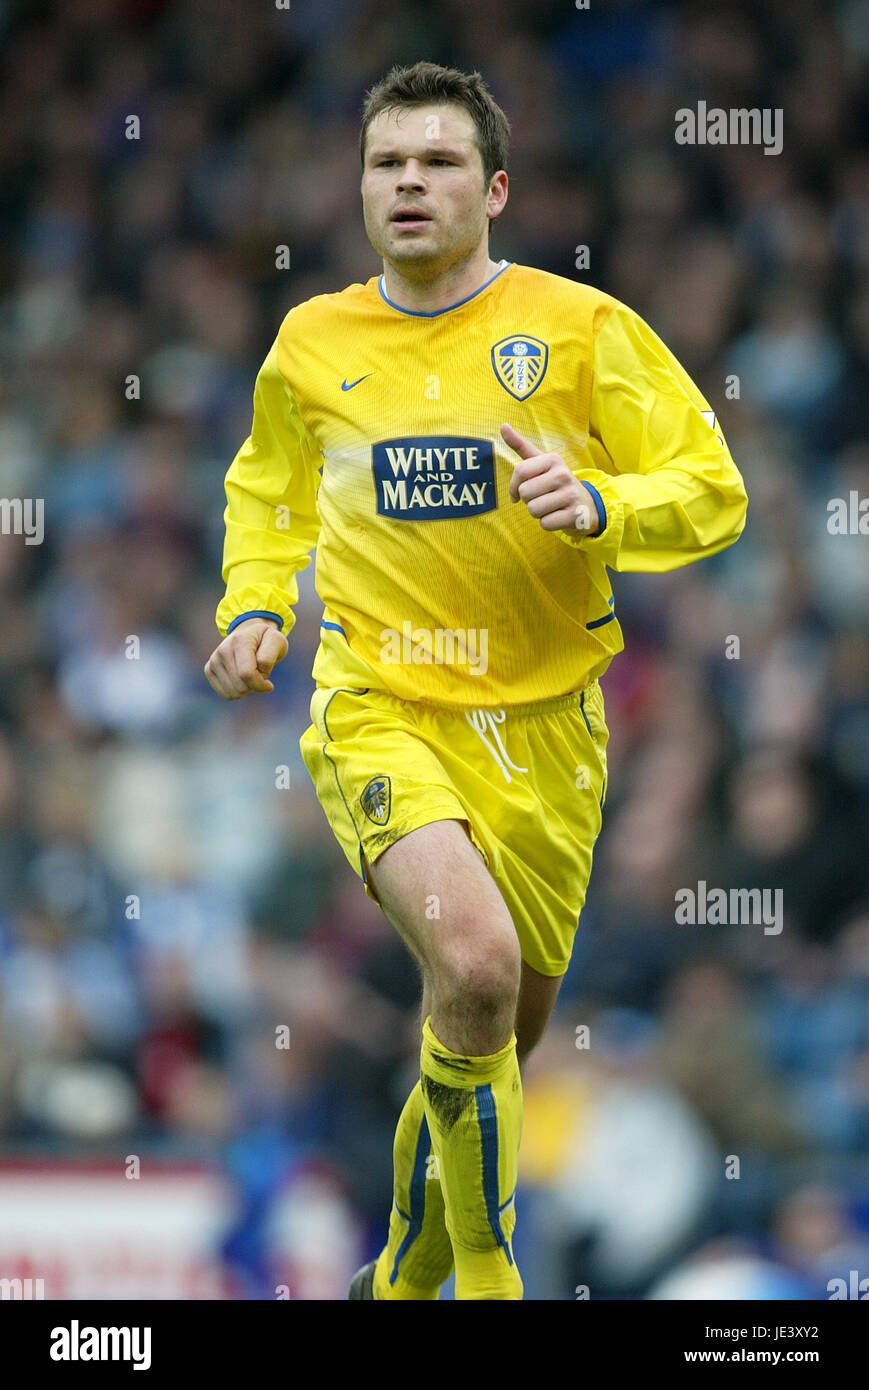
{"x":258,"y":613}
{"x":601,"y":509}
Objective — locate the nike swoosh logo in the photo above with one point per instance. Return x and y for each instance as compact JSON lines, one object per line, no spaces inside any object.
{"x":348,"y":385}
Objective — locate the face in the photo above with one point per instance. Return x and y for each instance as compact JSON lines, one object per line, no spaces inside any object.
{"x":425,"y":199}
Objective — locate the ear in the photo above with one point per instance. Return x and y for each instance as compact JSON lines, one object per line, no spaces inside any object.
{"x":497,"y":196}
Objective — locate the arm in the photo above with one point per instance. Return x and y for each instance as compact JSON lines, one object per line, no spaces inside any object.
{"x":271,"y":515}
{"x":658,"y":469}
{"x":272,"y":524}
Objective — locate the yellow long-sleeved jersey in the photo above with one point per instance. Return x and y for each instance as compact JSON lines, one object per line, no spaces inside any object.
{"x":435,"y":585}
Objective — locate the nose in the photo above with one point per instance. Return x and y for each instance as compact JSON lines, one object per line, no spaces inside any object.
{"x":411,"y":176}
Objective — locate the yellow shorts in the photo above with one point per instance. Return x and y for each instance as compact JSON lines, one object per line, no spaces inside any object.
{"x":530,"y":783}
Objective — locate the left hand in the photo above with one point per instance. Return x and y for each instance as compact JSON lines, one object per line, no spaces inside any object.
{"x":548,"y":488}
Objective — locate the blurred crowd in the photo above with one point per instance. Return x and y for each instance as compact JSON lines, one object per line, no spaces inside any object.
{"x":166,"y":901}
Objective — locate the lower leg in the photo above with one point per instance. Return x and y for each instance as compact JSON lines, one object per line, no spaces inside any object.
{"x":473,"y":1105}
{"x":418,"y":1256}
{"x":471,"y":1087}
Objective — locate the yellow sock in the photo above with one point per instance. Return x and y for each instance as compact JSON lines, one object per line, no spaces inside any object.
{"x":418,"y":1256}
{"x":474,"y":1110}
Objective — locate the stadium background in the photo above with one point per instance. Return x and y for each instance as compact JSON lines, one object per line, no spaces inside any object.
{"x":149,"y":1032}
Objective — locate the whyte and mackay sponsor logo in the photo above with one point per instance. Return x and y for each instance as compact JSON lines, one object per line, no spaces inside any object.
{"x":432,"y":477}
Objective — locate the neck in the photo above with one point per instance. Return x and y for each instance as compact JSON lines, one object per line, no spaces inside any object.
{"x":444,"y":289}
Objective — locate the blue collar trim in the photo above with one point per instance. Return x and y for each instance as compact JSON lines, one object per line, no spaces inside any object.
{"x":433,"y":314}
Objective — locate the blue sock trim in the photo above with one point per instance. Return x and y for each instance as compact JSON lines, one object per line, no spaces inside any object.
{"x":488,"y":1120}
{"x":417,"y":1196}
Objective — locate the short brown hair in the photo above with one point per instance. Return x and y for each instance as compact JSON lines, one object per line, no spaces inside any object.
{"x":428,"y":84}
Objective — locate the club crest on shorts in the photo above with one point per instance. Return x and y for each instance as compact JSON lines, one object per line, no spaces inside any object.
{"x":376,"y":799}
{"x":520,"y":364}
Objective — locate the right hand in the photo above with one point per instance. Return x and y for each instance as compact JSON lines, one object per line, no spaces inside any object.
{"x":244,"y":659}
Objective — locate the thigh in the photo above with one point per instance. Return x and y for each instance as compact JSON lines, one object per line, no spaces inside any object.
{"x":378,"y":772}
{"x":537,"y":782}
{"x":435,"y":888}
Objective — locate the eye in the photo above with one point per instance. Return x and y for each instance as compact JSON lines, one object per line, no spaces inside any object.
{"x":438,"y":160}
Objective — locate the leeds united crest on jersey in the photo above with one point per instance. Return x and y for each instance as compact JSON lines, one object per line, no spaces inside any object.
{"x":520,"y":364}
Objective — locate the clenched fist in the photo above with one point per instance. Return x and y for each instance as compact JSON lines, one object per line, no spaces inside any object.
{"x":244,"y":659}
{"x":549,"y":489}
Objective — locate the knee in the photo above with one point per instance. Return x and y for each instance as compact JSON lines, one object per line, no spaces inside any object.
{"x":483,"y":973}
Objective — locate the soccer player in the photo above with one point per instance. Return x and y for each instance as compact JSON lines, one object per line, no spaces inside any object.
{"x":469,"y":444}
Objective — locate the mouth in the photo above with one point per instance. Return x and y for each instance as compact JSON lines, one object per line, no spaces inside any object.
{"x":410,"y":219}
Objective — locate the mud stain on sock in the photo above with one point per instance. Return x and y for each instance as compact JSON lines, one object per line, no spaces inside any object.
{"x":448,"y":1102}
